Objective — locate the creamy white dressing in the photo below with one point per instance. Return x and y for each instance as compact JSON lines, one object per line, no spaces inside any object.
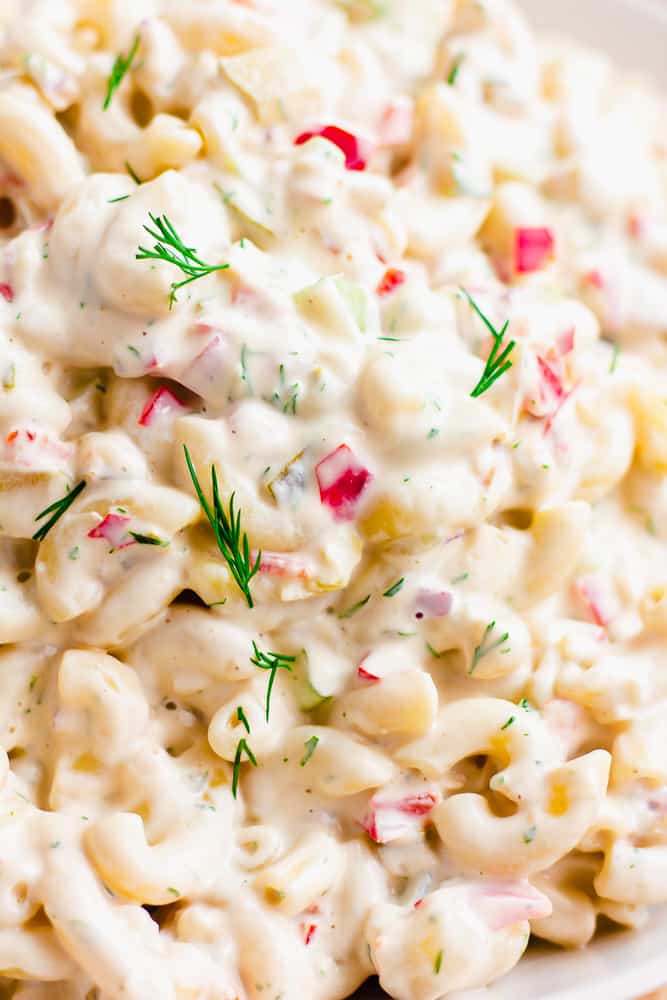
{"x":430,"y":720}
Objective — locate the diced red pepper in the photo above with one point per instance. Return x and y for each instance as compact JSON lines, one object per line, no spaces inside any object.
{"x":565,"y":342}
{"x":162,"y":402}
{"x":546,"y":397}
{"x":7,"y":292}
{"x":595,"y":279}
{"x":635,"y":226}
{"x":596,"y":601}
{"x":504,"y":903}
{"x":387,"y":820}
{"x":533,"y":249}
{"x":283,"y":564}
{"x":366,"y":675}
{"x":342,"y":479}
{"x":355,"y":149}
{"x":112,"y":529}
{"x":397,"y":121}
{"x":393,"y":279}
{"x":417,"y":805}
{"x":309,"y":932}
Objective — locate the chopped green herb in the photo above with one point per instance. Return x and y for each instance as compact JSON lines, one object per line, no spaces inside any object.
{"x":133,"y":350}
{"x":311,"y":746}
{"x":496,"y":364}
{"x":483,"y":649}
{"x":33,"y":681}
{"x":460,"y":578}
{"x":614,"y":358}
{"x":113,"y":201}
{"x":437,"y":965}
{"x":273,"y":662}
{"x":434,"y":652}
{"x":100,"y":387}
{"x":245,"y":374}
{"x":174,"y":892}
{"x":394,"y":589}
{"x":9,"y":378}
{"x":147,"y":539}
{"x":171,"y":249}
{"x":509,"y":722}
{"x":242,"y":718}
{"x":133,"y":174}
{"x":57,"y":510}
{"x":355,"y":607}
{"x":529,"y":835}
{"x":434,"y":431}
{"x":454,"y":71}
{"x":74,"y":553}
{"x":226,"y":525}
{"x":241,"y":749}
{"x":120,"y":68}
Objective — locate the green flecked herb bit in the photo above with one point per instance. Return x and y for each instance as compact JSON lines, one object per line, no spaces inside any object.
{"x":509,"y":722}
{"x":529,"y":835}
{"x":122,"y":197}
{"x":614,"y":358}
{"x":57,"y":510}
{"x":483,"y":649}
{"x":171,"y":249}
{"x":434,"y":652}
{"x":393,"y":590}
{"x":120,"y":68}
{"x":147,"y":539}
{"x":355,"y":607}
{"x":233,"y":544}
{"x":242,"y":748}
{"x":273,"y":662}
{"x":454,"y":71}
{"x":133,"y":174}
{"x":437,"y":965}
{"x":311,"y":746}
{"x":496,"y":364}
{"x":242,"y":718}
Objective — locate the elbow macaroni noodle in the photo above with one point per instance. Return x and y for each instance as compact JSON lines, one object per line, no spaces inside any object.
{"x":435,"y":723}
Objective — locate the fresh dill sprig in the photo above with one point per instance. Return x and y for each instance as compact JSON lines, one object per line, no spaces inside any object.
{"x":233,"y":544}
{"x":57,"y":509}
{"x":393,"y":590}
{"x":348,"y":612}
{"x":496,"y":364}
{"x":242,"y":748}
{"x":171,"y":249}
{"x":242,"y":718}
{"x":273,"y":662}
{"x":482,"y":649}
{"x":133,"y":174}
{"x":119,"y":69}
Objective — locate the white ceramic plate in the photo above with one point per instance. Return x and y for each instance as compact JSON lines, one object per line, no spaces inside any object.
{"x":624,"y":965}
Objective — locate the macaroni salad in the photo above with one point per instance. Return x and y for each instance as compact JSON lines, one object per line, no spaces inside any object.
{"x":333,"y":506}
